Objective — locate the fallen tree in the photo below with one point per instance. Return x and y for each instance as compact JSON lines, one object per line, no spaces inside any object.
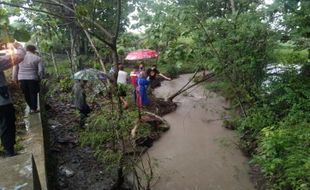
{"x":188,"y":85}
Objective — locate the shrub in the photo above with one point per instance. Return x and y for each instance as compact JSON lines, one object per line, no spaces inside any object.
{"x":172,"y":71}
{"x":284,"y":154}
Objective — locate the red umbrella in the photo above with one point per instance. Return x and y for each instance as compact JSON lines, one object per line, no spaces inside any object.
{"x":141,"y":54}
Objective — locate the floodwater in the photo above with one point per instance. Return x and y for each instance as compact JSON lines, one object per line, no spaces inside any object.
{"x":197,"y":153}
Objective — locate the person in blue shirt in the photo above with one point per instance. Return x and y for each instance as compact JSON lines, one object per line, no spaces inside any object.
{"x":141,"y":90}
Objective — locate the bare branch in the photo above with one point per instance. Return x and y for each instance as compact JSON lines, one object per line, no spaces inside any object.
{"x":205,"y":78}
{"x":101,"y":39}
{"x":96,"y":52}
{"x":46,"y":2}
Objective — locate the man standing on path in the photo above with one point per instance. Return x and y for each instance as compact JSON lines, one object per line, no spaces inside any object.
{"x":122,"y":82}
{"x":80,"y":100}
{"x":29,"y":73}
{"x":7,"y":111}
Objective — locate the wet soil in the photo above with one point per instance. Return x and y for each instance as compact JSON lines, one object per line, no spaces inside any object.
{"x":74,"y":166}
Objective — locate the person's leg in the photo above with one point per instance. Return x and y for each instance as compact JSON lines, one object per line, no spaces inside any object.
{"x":122,"y":95}
{"x":83,"y":116}
{"x":25,"y":89}
{"x":7,"y":128}
{"x":33,"y":94}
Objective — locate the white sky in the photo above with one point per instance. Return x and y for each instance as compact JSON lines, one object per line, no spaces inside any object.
{"x":268,"y":2}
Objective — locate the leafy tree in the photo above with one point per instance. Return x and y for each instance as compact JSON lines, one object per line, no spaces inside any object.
{"x":11,"y":31}
{"x":295,"y":20}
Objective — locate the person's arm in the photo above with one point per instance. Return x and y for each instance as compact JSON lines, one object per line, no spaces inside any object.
{"x":145,"y":82}
{"x":9,"y":61}
{"x":165,"y":77}
{"x":5,"y":63}
{"x":15,"y":73}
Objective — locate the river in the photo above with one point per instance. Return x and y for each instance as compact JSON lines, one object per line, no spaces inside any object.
{"x":197,"y":153}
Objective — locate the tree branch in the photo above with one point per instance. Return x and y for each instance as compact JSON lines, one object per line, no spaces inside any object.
{"x":105,"y":31}
{"x":96,"y":52}
{"x":205,"y":78}
{"x":47,"y":3}
{"x":206,"y":32}
{"x":118,"y":20}
{"x":32,"y":9}
{"x":101,"y":39}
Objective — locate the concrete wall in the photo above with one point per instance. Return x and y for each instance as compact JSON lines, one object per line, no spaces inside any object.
{"x":27,"y":170}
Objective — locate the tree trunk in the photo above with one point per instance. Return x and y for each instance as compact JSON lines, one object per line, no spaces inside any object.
{"x":55,"y":65}
{"x":70,"y":61}
{"x":232,"y":5}
{"x":73,"y":52}
{"x":308,"y":55}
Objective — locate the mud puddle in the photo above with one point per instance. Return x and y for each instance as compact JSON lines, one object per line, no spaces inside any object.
{"x":197,"y":153}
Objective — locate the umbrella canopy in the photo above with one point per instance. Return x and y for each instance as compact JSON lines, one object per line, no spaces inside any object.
{"x":141,"y":54}
{"x":89,"y":74}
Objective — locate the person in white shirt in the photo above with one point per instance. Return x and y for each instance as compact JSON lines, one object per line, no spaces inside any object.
{"x":29,"y":73}
{"x":122,"y":77}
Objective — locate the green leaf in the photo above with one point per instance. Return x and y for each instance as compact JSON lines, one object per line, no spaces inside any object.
{"x":22,"y":35}
{"x":17,"y":25}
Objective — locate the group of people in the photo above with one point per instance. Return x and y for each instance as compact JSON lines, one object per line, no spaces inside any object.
{"x":27,"y":71}
{"x":139,"y":78}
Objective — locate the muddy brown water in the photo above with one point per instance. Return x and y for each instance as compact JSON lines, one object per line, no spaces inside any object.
{"x":197,"y":153}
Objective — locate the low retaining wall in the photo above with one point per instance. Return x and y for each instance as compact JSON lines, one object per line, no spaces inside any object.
{"x":27,"y":170}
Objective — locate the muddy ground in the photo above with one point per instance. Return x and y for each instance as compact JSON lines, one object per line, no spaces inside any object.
{"x":73,"y":167}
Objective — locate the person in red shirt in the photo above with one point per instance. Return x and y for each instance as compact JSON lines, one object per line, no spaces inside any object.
{"x":134,"y":75}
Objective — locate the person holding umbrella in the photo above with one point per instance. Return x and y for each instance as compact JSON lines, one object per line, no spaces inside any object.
{"x":79,"y":95}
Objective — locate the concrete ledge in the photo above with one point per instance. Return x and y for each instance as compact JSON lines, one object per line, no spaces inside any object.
{"x":35,"y":145}
{"x":27,"y":170}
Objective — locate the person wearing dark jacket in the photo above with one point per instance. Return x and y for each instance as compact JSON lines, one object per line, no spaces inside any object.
{"x":7,"y":111}
{"x":80,"y":100}
{"x":152,"y":74}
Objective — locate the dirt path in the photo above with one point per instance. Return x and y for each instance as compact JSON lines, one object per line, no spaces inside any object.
{"x":197,"y":153}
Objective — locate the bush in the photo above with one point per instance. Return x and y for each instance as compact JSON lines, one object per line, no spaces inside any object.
{"x":289,"y":56}
{"x":277,"y":130}
{"x":172,"y":71}
{"x":284,"y":154}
